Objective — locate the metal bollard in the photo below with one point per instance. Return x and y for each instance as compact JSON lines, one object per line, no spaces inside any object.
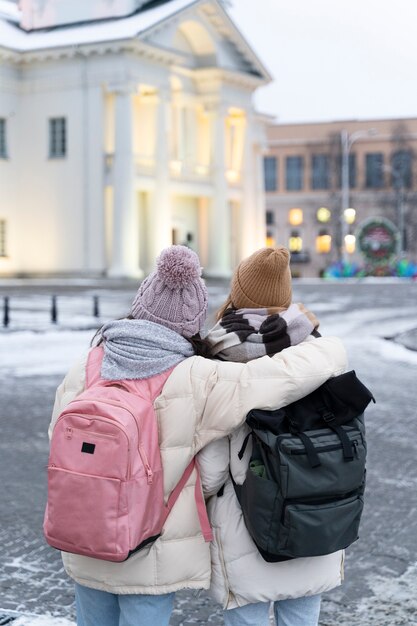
{"x":6,"y":311}
{"x":54,"y":310}
{"x":96,"y":309}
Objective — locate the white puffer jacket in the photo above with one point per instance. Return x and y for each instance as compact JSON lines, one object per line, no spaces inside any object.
{"x":201,"y":401}
{"x":239,"y":573}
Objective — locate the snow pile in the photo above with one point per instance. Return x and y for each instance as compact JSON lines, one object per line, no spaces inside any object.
{"x":41,"y":620}
{"x":46,"y":354}
{"x":394,"y":602}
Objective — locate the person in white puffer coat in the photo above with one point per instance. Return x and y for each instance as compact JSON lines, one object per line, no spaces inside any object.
{"x":202,"y":400}
{"x":258,"y":318}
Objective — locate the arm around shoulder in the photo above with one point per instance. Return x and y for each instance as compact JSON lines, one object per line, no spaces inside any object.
{"x":267,"y":383}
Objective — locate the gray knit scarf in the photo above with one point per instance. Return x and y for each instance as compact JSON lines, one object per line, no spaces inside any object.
{"x":137,"y":349}
{"x":245,"y":334}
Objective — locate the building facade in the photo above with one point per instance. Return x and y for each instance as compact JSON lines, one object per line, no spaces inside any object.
{"x":126,"y":126}
{"x":324,"y":181}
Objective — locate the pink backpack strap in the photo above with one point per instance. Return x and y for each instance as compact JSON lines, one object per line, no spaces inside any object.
{"x":93,"y":367}
{"x":201,"y":505}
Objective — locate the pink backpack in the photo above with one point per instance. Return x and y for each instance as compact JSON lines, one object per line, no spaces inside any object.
{"x":105,"y":483}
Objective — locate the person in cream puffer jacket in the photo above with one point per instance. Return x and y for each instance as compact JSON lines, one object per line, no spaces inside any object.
{"x":258,"y":318}
{"x":202,"y":400}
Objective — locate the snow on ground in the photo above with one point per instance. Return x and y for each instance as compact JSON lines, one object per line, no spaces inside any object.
{"x":30,"y":354}
{"x":31,"y":620}
{"x":49,"y":352}
{"x":391,"y":597}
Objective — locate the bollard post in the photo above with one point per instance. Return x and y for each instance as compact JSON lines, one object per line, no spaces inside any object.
{"x":6,"y":312}
{"x":96,"y":309}
{"x":54,"y":310}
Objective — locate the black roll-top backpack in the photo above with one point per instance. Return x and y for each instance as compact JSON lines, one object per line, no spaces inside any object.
{"x":303,"y":491}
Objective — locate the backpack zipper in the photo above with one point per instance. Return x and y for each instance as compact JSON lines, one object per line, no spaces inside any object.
{"x":313,"y":502}
{"x":105,"y":421}
{"x":148,"y":469}
{"x":69,"y":431}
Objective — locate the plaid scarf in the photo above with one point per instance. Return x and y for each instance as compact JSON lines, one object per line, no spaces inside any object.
{"x":245,"y":334}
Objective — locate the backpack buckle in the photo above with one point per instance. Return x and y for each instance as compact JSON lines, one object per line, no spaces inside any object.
{"x":328,"y":416}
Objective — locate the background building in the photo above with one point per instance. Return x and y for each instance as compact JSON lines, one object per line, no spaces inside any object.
{"x":126,"y":126}
{"x":315,"y":174}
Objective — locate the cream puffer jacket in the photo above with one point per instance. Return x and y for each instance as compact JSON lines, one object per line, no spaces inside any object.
{"x":202,"y":400}
{"x":239,"y":574}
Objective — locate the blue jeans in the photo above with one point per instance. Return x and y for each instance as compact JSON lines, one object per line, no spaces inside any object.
{"x":99,"y":608}
{"x":298,"y":612}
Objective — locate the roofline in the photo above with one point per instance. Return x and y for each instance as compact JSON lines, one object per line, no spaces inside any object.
{"x":346,"y":121}
{"x":264,"y":72}
{"x":17,"y":55}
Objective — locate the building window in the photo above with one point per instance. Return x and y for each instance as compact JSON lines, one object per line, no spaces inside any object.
{"x":295,"y":243}
{"x":3,"y":238}
{"x":270,"y":173}
{"x":352,"y":171}
{"x":3,"y":140}
{"x":295,"y":217}
{"x":375,"y":170}
{"x":350,"y":244}
{"x":294,"y":173}
{"x":270,"y":218}
{"x":323,"y":242}
{"x":401,"y":166}
{"x":270,"y":240}
{"x":323,"y":215}
{"x":57,"y":137}
{"x":320,"y":171}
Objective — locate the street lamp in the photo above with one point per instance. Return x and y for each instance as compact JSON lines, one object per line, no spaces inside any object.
{"x":347,"y":140}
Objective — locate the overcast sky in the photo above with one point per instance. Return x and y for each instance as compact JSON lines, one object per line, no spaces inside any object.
{"x":334,"y":59}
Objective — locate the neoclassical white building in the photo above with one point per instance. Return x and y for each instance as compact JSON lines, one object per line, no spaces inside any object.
{"x":125,"y":126}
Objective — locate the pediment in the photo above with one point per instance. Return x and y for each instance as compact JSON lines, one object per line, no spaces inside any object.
{"x":205,"y":36}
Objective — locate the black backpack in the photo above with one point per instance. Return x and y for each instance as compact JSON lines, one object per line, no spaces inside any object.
{"x":303,"y":491}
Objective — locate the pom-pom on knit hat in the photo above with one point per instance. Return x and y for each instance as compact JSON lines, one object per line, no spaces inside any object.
{"x":263,"y":280}
{"x":174,"y":295}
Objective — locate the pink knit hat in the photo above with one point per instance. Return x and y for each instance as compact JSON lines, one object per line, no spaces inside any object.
{"x":174,"y":295}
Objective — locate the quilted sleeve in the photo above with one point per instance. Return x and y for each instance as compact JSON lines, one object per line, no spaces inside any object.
{"x":265,"y":383}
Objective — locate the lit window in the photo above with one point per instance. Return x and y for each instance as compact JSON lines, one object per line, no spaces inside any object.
{"x":323,"y":242}
{"x":349,"y":215}
{"x":295,"y":217}
{"x":3,"y":238}
{"x":57,"y":137}
{"x":3,"y":142}
{"x":295,"y":243}
{"x":350,"y":244}
{"x":323,"y":215}
{"x":270,"y":240}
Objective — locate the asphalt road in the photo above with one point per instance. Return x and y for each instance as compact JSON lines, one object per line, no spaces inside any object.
{"x":381,"y":572}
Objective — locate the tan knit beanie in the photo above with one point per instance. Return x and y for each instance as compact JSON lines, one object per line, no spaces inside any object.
{"x":263,"y":280}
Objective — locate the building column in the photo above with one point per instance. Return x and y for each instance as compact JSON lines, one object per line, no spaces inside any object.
{"x":94,"y":235}
{"x":253,"y":204}
{"x":219,"y":219}
{"x":125,"y":236}
{"x":160,"y":219}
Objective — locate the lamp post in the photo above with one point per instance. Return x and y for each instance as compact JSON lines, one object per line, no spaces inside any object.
{"x":347,"y":140}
